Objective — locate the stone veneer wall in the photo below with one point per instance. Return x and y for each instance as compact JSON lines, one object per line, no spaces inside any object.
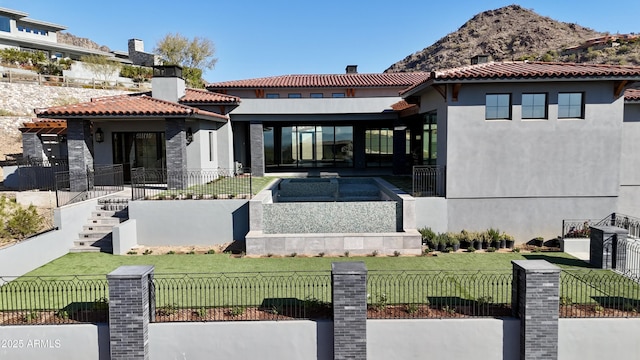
{"x":330,"y":217}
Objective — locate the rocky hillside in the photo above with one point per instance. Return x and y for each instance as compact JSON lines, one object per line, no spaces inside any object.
{"x":70,"y":39}
{"x":507,"y":33}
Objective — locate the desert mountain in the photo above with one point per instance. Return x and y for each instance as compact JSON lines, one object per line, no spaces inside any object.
{"x":515,"y":33}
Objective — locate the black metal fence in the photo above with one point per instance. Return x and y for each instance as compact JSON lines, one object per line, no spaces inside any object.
{"x":429,"y":181}
{"x":242,"y":296}
{"x":76,"y":186}
{"x":598,"y":293}
{"x":34,"y":174}
{"x":53,"y":300}
{"x":438,"y":294}
{"x":160,"y":184}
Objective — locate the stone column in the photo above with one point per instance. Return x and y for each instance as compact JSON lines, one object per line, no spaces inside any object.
{"x":256,"y":144}
{"x":604,"y":252}
{"x":32,"y":146}
{"x":80,"y":153}
{"x":176,"y":147}
{"x":130,"y":311}
{"x":349,"y":310}
{"x":536,"y":301}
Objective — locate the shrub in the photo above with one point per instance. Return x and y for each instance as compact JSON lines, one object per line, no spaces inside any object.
{"x":211,"y":251}
{"x":236,"y":311}
{"x":396,"y":253}
{"x":565,"y":301}
{"x":374,"y":253}
{"x":427,"y":234}
{"x":147,"y":252}
{"x":170,"y":252}
{"x":23,"y":222}
{"x":491,"y":249}
{"x":471,"y":249}
{"x":411,"y":308}
{"x":167,"y":309}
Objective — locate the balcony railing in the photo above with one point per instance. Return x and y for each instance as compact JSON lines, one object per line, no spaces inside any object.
{"x":429,"y":181}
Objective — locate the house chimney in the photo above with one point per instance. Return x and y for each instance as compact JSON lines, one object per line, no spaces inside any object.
{"x":479,"y":59}
{"x":135,"y":45}
{"x":352,"y":69}
{"x":167,"y":83}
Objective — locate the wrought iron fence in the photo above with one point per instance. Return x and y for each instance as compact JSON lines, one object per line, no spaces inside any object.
{"x":53,"y":300}
{"x":438,"y":294}
{"x":160,"y":184}
{"x":598,"y":293}
{"x":36,"y":174}
{"x":242,"y":296}
{"x":76,"y":186}
{"x":626,"y":222}
{"x":429,"y":181}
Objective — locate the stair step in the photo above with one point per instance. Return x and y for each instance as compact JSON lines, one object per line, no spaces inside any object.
{"x":93,"y":242}
{"x":98,"y":227}
{"x":94,"y":235}
{"x":79,"y":249}
{"x":113,"y":221}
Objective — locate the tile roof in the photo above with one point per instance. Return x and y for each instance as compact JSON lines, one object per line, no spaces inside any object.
{"x":197,"y":96}
{"x":632,"y":94}
{"x":529,"y":70}
{"x":45,"y":126}
{"x":134,"y":105}
{"x":326,"y":80}
{"x":402,"y":105}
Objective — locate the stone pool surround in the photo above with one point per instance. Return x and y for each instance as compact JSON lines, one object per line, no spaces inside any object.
{"x":400,"y":211}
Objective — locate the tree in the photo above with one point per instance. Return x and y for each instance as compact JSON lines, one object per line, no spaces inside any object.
{"x":102,"y":67}
{"x":193,"y":55}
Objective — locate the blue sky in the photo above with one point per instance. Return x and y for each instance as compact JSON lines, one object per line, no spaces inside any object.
{"x":257,"y":38}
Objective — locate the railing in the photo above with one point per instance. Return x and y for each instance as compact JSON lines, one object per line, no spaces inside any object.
{"x":598,"y":293}
{"x":159,"y":184}
{"x":49,"y":300}
{"x":39,"y":174}
{"x":429,"y":181}
{"x":76,"y":186}
{"x":242,"y":296}
{"x":24,"y":77}
{"x":626,"y":222}
{"x":438,"y":294}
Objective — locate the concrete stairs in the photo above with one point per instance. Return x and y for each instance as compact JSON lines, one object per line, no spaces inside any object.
{"x":96,"y":235}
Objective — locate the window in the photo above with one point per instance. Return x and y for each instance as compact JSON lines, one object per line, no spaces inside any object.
{"x":337,"y":95}
{"x":378,"y":147}
{"x":273,"y":96}
{"x":498,"y":106}
{"x":534,"y":106}
{"x":295,"y":96}
{"x":570,"y":105}
{"x":5,"y":24}
{"x":316,"y":95}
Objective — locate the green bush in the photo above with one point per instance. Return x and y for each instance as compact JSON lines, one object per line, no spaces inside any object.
{"x":137,"y":73}
{"x":13,"y":56}
{"x":23,"y":222}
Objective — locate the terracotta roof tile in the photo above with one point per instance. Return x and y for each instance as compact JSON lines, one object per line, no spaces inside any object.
{"x":134,"y":105}
{"x":197,"y":96}
{"x":326,"y":80}
{"x":529,"y":70}
{"x":632,"y":94}
{"x":402,"y":105}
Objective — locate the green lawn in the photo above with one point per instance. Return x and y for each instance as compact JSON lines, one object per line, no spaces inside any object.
{"x":100,"y":264}
{"x":222,"y":280}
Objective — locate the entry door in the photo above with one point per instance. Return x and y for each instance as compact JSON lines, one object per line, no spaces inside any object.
{"x":307,"y":140}
{"x":140,"y":149}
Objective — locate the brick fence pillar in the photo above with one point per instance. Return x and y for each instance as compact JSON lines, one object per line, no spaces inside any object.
{"x":349,"y":310}
{"x":130,"y":311}
{"x":536,"y":301}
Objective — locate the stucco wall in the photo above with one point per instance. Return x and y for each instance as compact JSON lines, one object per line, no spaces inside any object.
{"x":55,"y":342}
{"x":432,"y":212}
{"x":629,"y":202}
{"x":595,"y":339}
{"x":534,"y":158}
{"x":295,"y":340}
{"x":486,"y":339}
{"x":34,"y":252}
{"x":525,"y":218}
{"x":189,"y":222}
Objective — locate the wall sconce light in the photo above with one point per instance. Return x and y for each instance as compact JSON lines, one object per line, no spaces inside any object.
{"x":99,"y":135}
{"x":189,"y":135}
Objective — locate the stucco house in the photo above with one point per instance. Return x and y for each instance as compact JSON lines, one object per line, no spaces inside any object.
{"x":521,"y":145}
{"x":526,"y":145}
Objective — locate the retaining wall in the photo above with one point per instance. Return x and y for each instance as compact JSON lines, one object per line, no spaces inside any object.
{"x":25,"y":256}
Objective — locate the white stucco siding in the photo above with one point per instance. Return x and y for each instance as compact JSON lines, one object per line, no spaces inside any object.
{"x":630,"y":161}
{"x":370,"y":105}
{"x":534,"y":158}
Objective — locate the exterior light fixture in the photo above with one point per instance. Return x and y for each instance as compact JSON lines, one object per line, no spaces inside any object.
{"x":99,"y":135}
{"x":189,"y":136}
